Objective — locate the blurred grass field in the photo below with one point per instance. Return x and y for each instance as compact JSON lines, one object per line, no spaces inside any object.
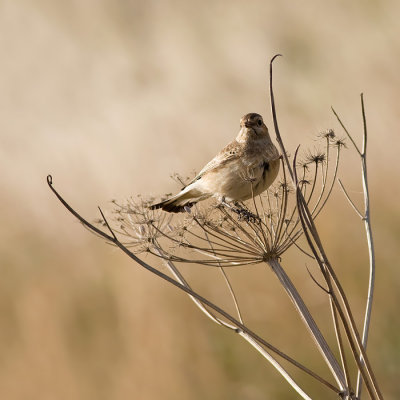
{"x":111,"y":97}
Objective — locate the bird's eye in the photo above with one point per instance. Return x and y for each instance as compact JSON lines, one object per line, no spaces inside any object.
{"x":259,"y":122}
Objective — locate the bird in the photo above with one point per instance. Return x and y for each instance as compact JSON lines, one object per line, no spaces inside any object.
{"x":244,"y":168}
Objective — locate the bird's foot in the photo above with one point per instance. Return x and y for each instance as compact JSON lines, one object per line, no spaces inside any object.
{"x":243,"y":213}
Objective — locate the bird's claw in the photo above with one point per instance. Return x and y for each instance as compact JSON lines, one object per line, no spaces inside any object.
{"x":243,"y":213}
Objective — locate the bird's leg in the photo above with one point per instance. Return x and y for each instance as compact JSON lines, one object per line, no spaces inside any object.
{"x":234,"y":206}
{"x":224,"y":203}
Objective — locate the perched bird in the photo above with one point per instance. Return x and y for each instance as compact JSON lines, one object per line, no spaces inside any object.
{"x":245,"y":167}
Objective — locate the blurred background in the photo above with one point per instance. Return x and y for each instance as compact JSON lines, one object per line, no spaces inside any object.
{"x":111,"y":97}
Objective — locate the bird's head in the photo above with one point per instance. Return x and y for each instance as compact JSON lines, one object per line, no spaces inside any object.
{"x":252,"y":127}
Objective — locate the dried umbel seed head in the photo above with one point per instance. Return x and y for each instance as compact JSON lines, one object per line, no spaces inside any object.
{"x":318,"y":157}
{"x":232,"y":234}
{"x":339,"y":143}
{"x":328,"y":134}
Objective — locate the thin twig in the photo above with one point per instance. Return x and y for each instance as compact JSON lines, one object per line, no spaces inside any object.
{"x":230,"y":288}
{"x":346,"y":131}
{"x":340,"y":343}
{"x":275,"y":119}
{"x":275,"y":363}
{"x":349,"y":199}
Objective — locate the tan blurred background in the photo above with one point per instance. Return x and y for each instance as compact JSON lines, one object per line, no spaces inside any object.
{"x":110,"y":97}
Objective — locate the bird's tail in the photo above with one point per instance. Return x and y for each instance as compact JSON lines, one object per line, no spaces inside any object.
{"x":185,"y":198}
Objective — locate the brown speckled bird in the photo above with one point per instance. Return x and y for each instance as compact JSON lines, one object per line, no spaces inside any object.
{"x":247,"y":166}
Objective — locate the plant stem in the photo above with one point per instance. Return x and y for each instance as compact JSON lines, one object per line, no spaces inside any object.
{"x":371,"y":251}
{"x":309,"y":322}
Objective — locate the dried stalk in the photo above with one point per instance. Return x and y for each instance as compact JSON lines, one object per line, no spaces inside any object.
{"x":305,"y":314}
{"x":364,"y":367}
{"x":366,"y":217}
{"x":251,"y":337}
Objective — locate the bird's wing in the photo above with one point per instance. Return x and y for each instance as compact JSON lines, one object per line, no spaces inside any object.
{"x":229,"y":153}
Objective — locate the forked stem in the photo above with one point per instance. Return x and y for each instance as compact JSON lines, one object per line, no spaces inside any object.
{"x":368,"y":230}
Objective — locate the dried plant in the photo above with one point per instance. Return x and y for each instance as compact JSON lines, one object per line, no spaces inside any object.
{"x":261,"y":231}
